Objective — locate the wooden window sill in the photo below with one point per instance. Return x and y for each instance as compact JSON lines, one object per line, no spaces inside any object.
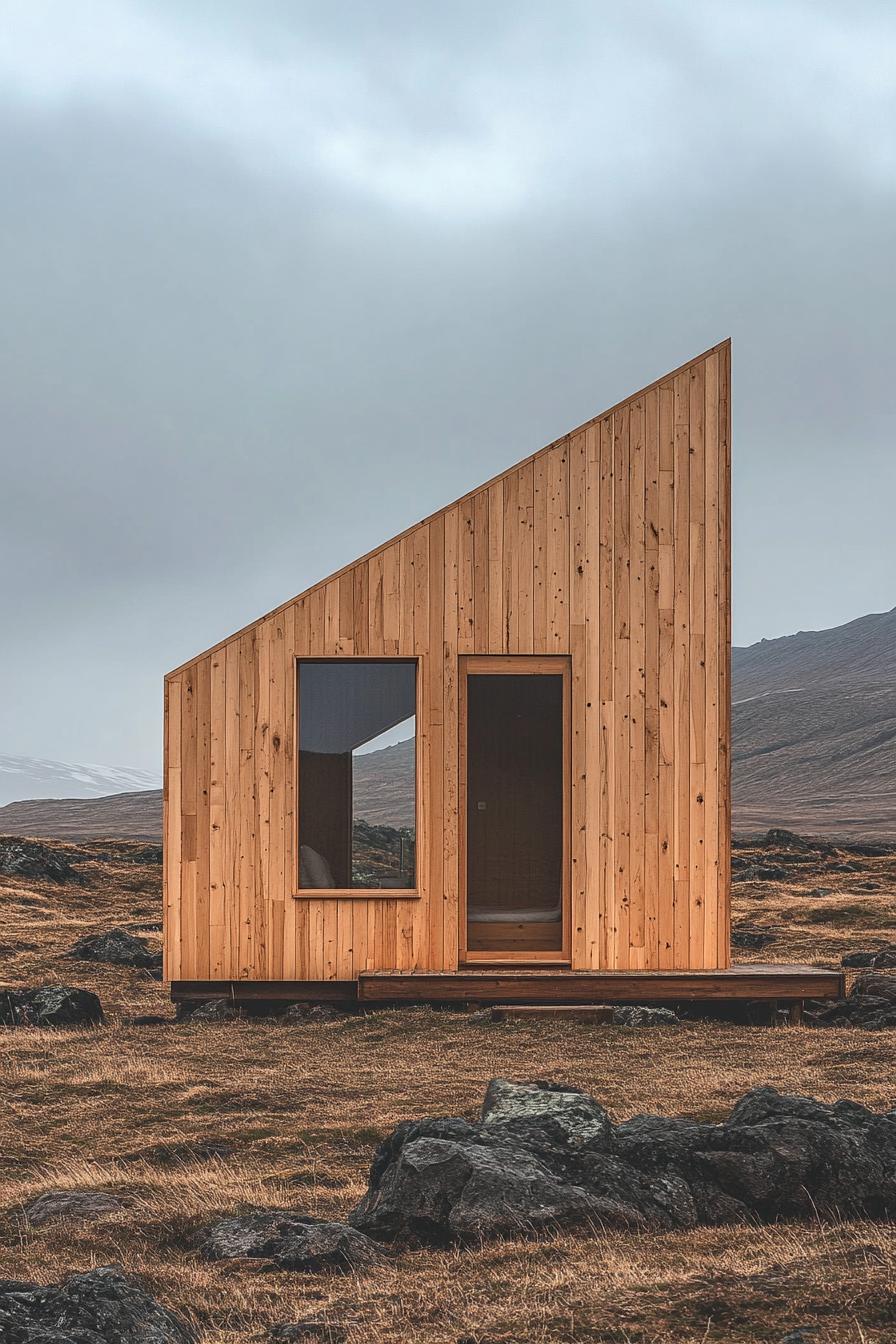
{"x":356,"y":894}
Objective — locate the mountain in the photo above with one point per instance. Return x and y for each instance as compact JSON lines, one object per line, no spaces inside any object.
{"x":862,"y":653}
{"x":814,"y":730}
{"x":814,"y":750}
{"x":384,"y":795}
{"x":384,"y":785}
{"x":25,"y":777}
{"x":121,"y":816}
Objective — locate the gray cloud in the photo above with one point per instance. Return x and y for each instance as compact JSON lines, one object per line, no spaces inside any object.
{"x":278,"y":280}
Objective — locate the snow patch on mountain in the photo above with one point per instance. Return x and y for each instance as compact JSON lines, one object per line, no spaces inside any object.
{"x":29,"y":777}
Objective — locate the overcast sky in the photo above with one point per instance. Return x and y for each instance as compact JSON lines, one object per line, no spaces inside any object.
{"x":278,"y":279}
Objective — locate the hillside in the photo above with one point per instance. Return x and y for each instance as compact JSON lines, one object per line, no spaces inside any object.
{"x":814,"y":730}
{"x":384,"y":792}
{"x":814,"y":749}
{"x":119,"y":816}
{"x":862,"y":652}
{"x":382,"y":797}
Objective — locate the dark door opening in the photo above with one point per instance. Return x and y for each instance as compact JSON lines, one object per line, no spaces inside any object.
{"x":515,"y":812}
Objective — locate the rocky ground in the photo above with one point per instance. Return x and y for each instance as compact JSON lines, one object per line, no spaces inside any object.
{"x":137,"y":1145}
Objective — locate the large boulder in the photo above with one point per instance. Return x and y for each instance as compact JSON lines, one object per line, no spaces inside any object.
{"x":541,"y":1156}
{"x":878,"y":959}
{"x":441,"y":1189}
{"x":870,"y":1004}
{"x":102,"y":1306}
{"x":290,"y":1241}
{"x":50,"y":1006}
{"x":544,"y":1155}
{"x":118,"y":947}
{"x":33,"y":860}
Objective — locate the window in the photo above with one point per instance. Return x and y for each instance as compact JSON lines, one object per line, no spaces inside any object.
{"x":357,"y":774}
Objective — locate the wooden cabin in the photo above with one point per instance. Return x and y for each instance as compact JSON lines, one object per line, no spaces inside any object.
{"x":488,"y":760}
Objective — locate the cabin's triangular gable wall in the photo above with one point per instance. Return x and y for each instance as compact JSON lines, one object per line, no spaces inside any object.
{"x":610,"y":546}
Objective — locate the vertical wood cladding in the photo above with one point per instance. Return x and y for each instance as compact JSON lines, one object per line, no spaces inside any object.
{"x":611,"y":546}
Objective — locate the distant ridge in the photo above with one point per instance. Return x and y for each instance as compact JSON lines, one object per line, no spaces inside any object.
{"x":119,"y":816}
{"x":383,"y":794}
{"x":814,"y":730}
{"x":814,"y":749}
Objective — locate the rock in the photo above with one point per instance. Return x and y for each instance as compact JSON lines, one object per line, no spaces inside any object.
{"x":754,"y":939}
{"x":50,"y":1006}
{"x":870,"y":1004}
{"x":761,"y":872}
{"x":82,"y":1204}
{"x":213,"y":1010}
{"x":869,"y":849}
{"x":32,"y":859}
{"x":803,"y":1334}
{"x":857,"y":959}
{"x":778,"y":838}
{"x":879,"y":959}
{"x":821,"y":891}
{"x":632,"y":1016}
{"x":118,"y":947}
{"x":312,"y":1012}
{"x":438,"y":1189}
{"x":845,"y":867}
{"x":290,"y":1241}
{"x":564,"y":1114}
{"x":881,"y":986}
{"x":102,"y":1306}
{"x":544,"y":1155}
{"x":327,"y":1245}
{"x":130,"y":853}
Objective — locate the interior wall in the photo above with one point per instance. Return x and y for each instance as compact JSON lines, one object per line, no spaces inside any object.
{"x":610,"y":546}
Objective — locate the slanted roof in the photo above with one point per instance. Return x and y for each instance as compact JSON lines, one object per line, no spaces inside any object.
{"x":446,"y":508}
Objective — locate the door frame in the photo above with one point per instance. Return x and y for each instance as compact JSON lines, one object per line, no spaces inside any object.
{"x":512,"y":664}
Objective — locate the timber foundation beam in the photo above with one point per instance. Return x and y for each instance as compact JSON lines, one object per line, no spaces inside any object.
{"x":504,"y":987}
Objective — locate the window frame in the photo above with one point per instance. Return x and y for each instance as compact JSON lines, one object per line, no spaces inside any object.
{"x":358,"y":893}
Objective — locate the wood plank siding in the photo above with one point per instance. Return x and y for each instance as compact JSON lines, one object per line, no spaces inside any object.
{"x":610,"y":547}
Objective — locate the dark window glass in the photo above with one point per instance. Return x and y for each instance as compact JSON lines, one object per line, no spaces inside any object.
{"x":357,"y":789}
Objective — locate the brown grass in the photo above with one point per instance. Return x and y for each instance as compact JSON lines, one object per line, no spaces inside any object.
{"x":303,"y":1107}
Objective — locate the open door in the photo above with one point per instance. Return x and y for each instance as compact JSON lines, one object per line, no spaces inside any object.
{"x":514,"y":808}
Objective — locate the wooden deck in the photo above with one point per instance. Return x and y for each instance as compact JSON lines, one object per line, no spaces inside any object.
{"x":787,"y":984}
{"x":505,"y":986}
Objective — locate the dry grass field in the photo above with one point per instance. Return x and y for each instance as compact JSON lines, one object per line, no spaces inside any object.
{"x":301,"y":1107}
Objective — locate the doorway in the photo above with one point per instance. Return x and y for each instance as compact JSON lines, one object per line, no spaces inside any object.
{"x":514,"y":808}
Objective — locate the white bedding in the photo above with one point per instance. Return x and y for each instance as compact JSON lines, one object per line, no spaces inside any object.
{"x":484,"y":915}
